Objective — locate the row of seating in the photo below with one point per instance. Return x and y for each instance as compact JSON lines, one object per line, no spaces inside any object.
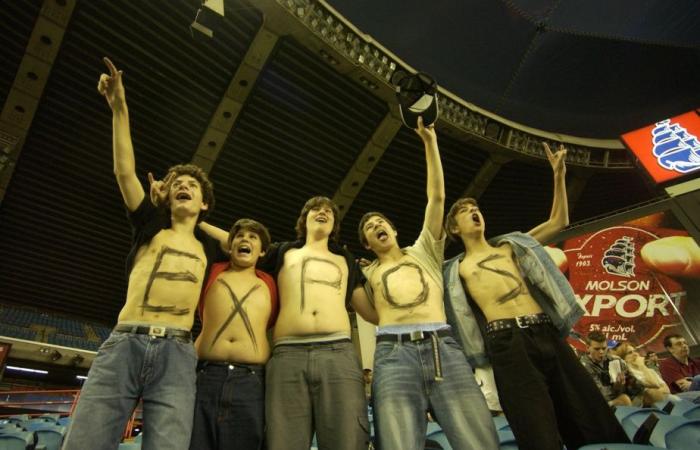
{"x":42,"y":433}
{"x":25,"y":318}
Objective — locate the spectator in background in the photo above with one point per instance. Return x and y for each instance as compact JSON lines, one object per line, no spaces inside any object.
{"x":618,"y":392}
{"x":679,"y":371}
{"x":655,"y":388}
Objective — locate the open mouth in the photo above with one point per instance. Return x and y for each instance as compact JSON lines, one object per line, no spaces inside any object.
{"x":244,"y":249}
{"x":321,"y":219}
{"x":382,"y":235}
{"x":476,"y":219}
{"x":183,"y":196}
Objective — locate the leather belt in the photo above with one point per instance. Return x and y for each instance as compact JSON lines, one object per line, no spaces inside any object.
{"x":518,"y":322}
{"x":154,"y":331}
{"x":413,"y":336}
{"x":204,"y":363}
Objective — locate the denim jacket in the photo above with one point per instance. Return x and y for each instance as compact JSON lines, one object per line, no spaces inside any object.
{"x":548,"y":286}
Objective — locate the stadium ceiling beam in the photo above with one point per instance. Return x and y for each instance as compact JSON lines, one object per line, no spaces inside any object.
{"x":231,"y":104}
{"x":25,"y":93}
{"x":485,"y":175}
{"x":365,"y":162}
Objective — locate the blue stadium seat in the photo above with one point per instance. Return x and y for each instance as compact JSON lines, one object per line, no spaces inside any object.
{"x":65,"y":421}
{"x":432,"y":428}
{"x":676,"y":432}
{"x":21,"y":440}
{"x":506,"y":440}
{"x":501,"y":423}
{"x":440,"y":438}
{"x":51,"y":436}
{"x":680,"y":407}
{"x":130,"y":446}
{"x":632,"y":417}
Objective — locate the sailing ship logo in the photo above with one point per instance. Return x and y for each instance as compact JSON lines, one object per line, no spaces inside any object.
{"x":675,"y":148}
{"x":618,"y":259}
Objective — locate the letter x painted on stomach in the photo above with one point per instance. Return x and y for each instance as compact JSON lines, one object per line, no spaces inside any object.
{"x":237,"y":308}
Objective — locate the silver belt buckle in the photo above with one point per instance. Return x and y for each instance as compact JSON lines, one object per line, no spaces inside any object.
{"x":416,"y":335}
{"x":156,"y":331}
{"x":521,"y":325}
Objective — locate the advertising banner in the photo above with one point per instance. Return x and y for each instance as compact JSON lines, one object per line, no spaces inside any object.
{"x":627,"y":280}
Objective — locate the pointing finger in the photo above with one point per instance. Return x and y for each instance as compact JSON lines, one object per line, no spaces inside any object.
{"x":110,"y":65}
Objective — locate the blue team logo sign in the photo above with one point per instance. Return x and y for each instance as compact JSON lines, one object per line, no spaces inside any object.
{"x":618,"y":259}
{"x":675,"y":148}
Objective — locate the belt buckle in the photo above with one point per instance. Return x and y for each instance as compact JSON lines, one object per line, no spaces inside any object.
{"x":156,"y":331}
{"x":416,"y":335}
{"x":523,"y":325}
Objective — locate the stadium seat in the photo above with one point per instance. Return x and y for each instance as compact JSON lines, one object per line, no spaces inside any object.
{"x":632,"y":417}
{"x":51,"y":436}
{"x":677,"y":406}
{"x":501,"y":423}
{"x":130,"y":446}
{"x":676,"y":432}
{"x":440,"y":438}
{"x":21,"y":440}
{"x":64,"y":421}
{"x":432,"y":428}
{"x":506,"y":440}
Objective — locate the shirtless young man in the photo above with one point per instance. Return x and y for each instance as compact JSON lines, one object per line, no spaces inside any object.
{"x":529,"y":306}
{"x":314,"y":380}
{"x":239,"y":304}
{"x":149,"y":354}
{"x":418,"y":366}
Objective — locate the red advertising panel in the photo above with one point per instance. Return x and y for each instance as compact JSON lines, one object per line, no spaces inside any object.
{"x":627,"y":280}
{"x":668,"y":149}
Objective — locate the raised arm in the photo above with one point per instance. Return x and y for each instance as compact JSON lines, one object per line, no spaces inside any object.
{"x":216,"y":233}
{"x":361,"y":304}
{"x":435,"y":180}
{"x":559,"y":217}
{"x":123,"y":150}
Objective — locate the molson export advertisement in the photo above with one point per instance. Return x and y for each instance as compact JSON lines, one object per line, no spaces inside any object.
{"x":629,"y":279}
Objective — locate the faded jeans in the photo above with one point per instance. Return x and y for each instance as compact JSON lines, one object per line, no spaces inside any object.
{"x":128,"y":367}
{"x":315,"y":387}
{"x":404,"y":389}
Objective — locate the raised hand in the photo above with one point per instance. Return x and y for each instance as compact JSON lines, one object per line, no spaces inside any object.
{"x":111,"y":85}
{"x":556,"y":160}
{"x":426,"y":133}
{"x":159,"y":188}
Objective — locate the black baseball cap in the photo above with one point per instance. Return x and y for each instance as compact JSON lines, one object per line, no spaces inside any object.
{"x":417,"y":96}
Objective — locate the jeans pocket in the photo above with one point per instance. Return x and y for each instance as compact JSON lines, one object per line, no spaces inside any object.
{"x":452,"y":343}
{"x":113,"y":340}
{"x":385,"y":350}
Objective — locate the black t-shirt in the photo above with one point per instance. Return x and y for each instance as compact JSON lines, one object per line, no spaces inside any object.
{"x":147,"y":220}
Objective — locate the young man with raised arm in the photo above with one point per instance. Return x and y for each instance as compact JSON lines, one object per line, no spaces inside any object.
{"x":418,"y":366}
{"x":508,"y":301}
{"x":149,"y":354}
{"x":238,"y":306}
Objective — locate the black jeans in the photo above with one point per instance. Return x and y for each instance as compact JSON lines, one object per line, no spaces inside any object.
{"x":546,"y":394}
{"x":230,"y":407}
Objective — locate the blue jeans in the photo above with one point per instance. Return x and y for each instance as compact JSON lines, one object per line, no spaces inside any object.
{"x":404,"y":388}
{"x":128,"y":367}
{"x":230,"y":407}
